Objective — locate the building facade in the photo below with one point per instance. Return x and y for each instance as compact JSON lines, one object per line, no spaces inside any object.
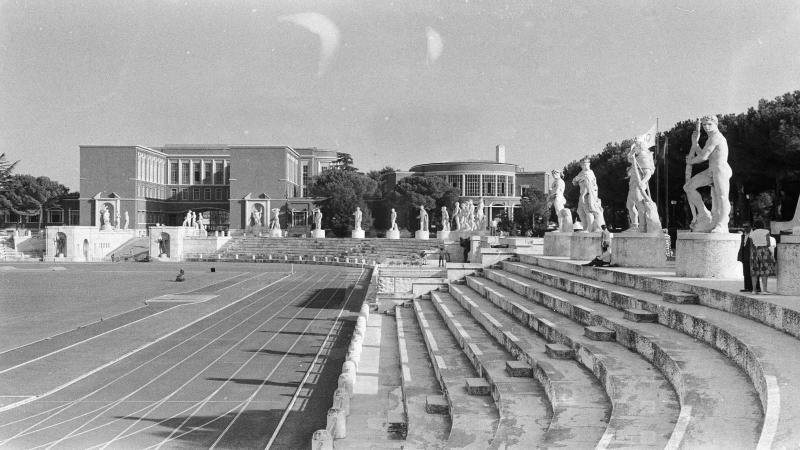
{"x":137,"y":186}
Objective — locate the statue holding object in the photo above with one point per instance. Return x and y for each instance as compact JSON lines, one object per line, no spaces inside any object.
{"x":642,"y":210}
{"x":423,"y":218}
{"x":358,"y":216}
{"x":557,"y":200}
{"x":445,"y":219}
{"x":718,"y":176}
{"x":275,"y":223}
{"x":590,"y":209}
{"x":457,"y":215}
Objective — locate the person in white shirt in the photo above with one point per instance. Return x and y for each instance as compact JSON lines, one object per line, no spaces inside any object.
{"x":762,"y":258}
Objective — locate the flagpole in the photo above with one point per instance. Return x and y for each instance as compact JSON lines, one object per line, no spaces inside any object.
{"x":666,"y":179}
{"x":658,"y":176}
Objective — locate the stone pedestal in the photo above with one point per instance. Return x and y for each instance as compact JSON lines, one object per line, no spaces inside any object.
{"x":275,"y":233}
{"x":556,"y":243}
{"x":318,"y":233}
{"x":585,"y":246}
{"x":443,"y":235}
{"x":707,"y":255}
{"x":358,"y":234}
{"x":421,"y":235}
{"x":788,"y":263}
{"x":639,"y":249}
{"x":393,"y":234}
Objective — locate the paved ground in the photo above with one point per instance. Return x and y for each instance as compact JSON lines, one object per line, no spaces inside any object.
{"x":244,"y":357}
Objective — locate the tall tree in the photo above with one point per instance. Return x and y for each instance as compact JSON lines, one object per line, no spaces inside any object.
{"x":342,"y":191}
{"x":5,"y":171}
{"x":28,"y":195}
{"x":415,"y":191}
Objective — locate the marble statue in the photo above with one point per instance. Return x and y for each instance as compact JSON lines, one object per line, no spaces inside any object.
{"x":198,"y":221}
{"x":642,"y":210}
{"x":445,"y":219}
{"x":189,"y":217}
{"x":358,"y":215}
{"x":469,"y":216}
{"x":61,"y":244}
{"x":393,"y":218}
{"x":423,"y":219}
{"x":480,"y":216}
{"x":457,"y":215}
{"x":317,"y":214}
{"x":105,"y":218}
{"x":275,"y":223}
{"x":590,"y":209}
{"x":117,"y":221}
{"x":718,"y":176}
{"x":557,"y":200}
{"x":255,"y":215}
{"x":127,"y":220}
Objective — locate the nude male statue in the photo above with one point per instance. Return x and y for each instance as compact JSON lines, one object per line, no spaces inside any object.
{"x":393,"y":218}
{"x":445,"y":219}
{"x":642,"y":210}
{"x":557,"y":200}
{"x":718,"y":176}
{"x":590,"y":209}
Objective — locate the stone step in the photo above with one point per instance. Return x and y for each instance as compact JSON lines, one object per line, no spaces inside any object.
{"x":522,"y":402}
{"x":683,"y":298}
{"x":598,"y":333}
{"x":519,"y":369}
{"x":559,"y":351}
{"x":421,"y":390}
{"x":474,"y":419}
{"x":477,"y":386}
{"x":696,"y":369}
{"x":645,"y":407}
{"x":640,"y":315}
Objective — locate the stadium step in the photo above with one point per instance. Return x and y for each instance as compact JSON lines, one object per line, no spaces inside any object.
{"x":645,"y":407}
{"x":720,"y":400}
{"x":474,"y":419}
{"x":580,"y":406}
{"x":522,"y":402}
{"x":427,"y":408}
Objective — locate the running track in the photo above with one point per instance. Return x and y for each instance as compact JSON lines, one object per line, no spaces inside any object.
{"x":254,"y":367}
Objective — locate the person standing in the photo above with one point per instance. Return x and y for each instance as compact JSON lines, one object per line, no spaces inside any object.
{"x":744,"y":257}
{"x":762,"y":259}
{"x":605,"y":237}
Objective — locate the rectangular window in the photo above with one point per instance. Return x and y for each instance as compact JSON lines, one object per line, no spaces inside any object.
{"x":228,"y":174}
{"x":196,"y":168}
{"x":501,"y":185}
{"x":207,"y":169}
{"x":74,"y":217}
{"x":473,"y":185}
{"x":173,"y":194}
{"x":173,"y":172}
{"x":488,"y":185}
{"x":455,"y":181}
{"x":196,"y":194}
{"x":305,"y":180}
{"x":185,"y":172}
{"x":55,"y":217}
{"x":218,"y":193}
{"x":185,"y":194}
{"x":207,"y":194}
{"x":219,"y":172}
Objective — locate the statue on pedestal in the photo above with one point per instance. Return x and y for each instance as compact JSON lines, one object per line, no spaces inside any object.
{"x":275,"y":223}
{"x":445,"y":219}
{"x":469,"y":216}
{"x":117,"y":221}
{"x":188,"y":219}
{"x":642,"y":210}
{"x":423,"y":219}
{"x":317,"y":214}
{"x":557,"y":200}
{"x":590,"y":209}
{"x":480,"y":216}
{"x":393,"y":218}
{"x":718,"y":176}
{"x":457,"y":215}
{"x":127,"y":220}
{"x":105,"y":218}
{"x":358,"y":215}
{"x":255,"y":216}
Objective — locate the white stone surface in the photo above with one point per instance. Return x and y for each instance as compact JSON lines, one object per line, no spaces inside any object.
{"x":421,"y":234}
{"x":358,"y":234}
{"x":393,"y":234}
{"x":707,"y":255}
{"x":318,"y":233}
{"x":639,"y":249}
{"x":585,"y":246}
{"x":788,"y":265}
{"x":443,"y":235}
{"x":557,"y":243}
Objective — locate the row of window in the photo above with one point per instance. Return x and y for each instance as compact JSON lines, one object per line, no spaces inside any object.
{"x":477,"y":185}
{"x":55,"y":216}
{"x":216,"y":171}
{"x":150,"y":168}
{"x":198,"y":194}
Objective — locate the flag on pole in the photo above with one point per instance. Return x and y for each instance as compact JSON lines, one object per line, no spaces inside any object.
{"x":649,"y":139}
{"x":665,"y":149}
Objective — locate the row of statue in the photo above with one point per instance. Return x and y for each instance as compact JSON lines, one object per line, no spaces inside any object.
{"x":274,"y":222}
{"x":642,"y":210}
{"x":105,"y":219}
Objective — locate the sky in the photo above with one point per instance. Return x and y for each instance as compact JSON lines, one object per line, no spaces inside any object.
{"x":392,"y":83}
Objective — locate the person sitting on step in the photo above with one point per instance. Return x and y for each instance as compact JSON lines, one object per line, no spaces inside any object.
{"x":602,"y":260}
{"x":181,"y":276}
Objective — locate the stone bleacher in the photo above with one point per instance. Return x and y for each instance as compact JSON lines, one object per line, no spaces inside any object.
{"x":584,"y":357}
{"x":370,"y":249}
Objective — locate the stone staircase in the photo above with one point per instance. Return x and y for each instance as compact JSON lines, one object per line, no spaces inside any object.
{"x":584,"y":357}
{"x":370,"y":249}
{"x":9,"y":253}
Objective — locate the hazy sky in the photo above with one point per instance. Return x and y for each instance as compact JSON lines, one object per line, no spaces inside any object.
{"x":393,"y":83}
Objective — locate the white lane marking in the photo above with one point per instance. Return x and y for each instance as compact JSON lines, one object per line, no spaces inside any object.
{"x":678,"y":433}
{"x":605,"y":440}
{"x":305,"y":378}
{"x":771,"y":415}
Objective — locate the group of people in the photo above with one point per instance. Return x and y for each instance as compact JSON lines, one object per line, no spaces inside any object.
{"x":757,"y":255}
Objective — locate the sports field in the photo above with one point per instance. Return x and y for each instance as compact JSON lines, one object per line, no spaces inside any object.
{"x":122,"y":356}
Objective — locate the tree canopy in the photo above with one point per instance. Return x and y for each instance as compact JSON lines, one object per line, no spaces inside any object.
{"x":5,"y":171}
{"x":415,"y":191}
{"x":342,"y":191}
{"x":29,"y":195}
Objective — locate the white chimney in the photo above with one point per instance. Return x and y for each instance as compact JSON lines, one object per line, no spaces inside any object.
{"x":501,"y":153}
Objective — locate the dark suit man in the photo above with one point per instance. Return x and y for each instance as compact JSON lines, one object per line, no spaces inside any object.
{"x":744,"y":257}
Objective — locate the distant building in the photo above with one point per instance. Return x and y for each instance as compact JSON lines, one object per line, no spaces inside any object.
{"x":224,"y":183}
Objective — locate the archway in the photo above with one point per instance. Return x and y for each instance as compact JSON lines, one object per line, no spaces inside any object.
{"x":163,"y":245}
{"x":86,"y":249}
{"x":61,"y":244}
